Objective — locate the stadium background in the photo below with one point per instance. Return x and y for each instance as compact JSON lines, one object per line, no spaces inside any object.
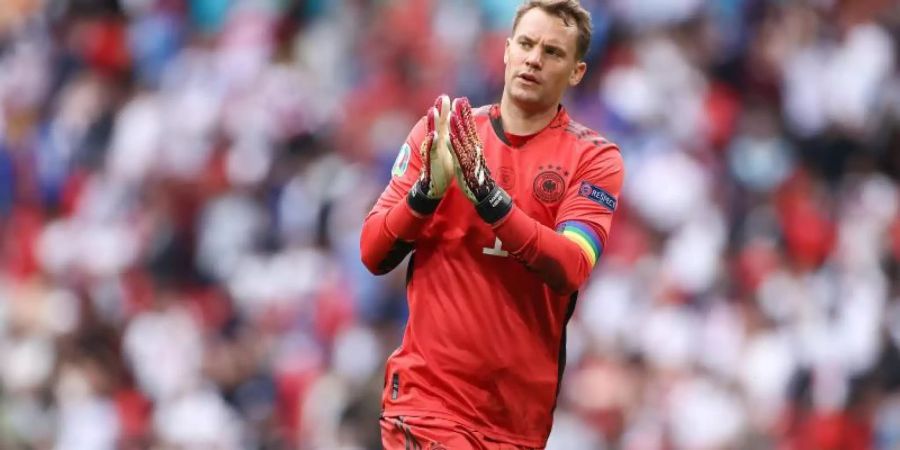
{"x":182,"y":185}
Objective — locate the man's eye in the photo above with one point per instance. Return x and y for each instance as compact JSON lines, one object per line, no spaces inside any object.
{"x":526,"y":44}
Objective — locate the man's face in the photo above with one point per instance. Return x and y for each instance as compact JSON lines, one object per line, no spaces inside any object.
{"x":540,"y":60}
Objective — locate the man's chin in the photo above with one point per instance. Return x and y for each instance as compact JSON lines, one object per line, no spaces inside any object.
{"x":529,"y":101}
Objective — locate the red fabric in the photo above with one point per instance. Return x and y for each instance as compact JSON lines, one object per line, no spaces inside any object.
{"x":895,"y":238}
{"x":210,"y":308}
{"x":429,"y":433}
{"x":21,"y":239}
{"x":334,"y":311}
{"x":106,"y":45}
{"x":384,"y":226}
{"x":808,"y":231}
{"x":722,"y":107}
{"x":517,"y":141}
{"x":293,"y":383}
{"x":482,"y":343}
{"x":830,"y":430}
{"x":754,"y":263}
{"x":559,"y":261}
{"x":138,"y":291}
{"x":134,"y":412}
{"x":72,"y":190}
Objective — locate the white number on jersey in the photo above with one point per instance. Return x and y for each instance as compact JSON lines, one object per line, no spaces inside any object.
{"x":496,"y":250}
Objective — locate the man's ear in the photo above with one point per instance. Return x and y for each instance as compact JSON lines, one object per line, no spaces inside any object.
{"x":578,"y":73}
{"x":506,"y":52}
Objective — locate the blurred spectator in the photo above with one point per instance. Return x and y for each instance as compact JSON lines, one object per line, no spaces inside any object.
{"x":182,"y":185}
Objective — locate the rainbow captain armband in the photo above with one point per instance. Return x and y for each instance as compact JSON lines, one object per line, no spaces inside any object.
{"x":584,"y":236}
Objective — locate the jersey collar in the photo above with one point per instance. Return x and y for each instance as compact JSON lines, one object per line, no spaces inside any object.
{"x":561,"y":120}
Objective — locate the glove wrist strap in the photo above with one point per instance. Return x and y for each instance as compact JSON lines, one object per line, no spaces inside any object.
{"x":495,"y":206}
{"x":421,"y":203}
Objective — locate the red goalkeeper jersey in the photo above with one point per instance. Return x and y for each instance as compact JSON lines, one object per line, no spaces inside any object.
{"x":488,"y":305}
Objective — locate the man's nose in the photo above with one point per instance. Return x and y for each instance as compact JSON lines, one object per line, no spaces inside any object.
{"x":533,"y":57}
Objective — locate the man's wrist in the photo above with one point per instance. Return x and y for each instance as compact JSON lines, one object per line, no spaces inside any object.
{"x":421,"y":203}
{"x":495,"y":206}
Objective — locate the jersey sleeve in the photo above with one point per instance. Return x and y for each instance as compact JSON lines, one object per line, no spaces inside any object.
{"x":585,"y":215}
{"x":564,"y":258}
{"x":391,"y":227}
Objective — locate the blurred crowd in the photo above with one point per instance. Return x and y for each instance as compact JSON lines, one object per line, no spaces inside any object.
{"x":182,"y":186}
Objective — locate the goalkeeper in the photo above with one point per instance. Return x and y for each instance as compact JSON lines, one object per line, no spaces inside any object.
{"x":506,"y":209}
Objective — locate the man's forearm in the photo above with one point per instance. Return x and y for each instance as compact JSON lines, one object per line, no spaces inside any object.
{"x":559,"y":261}
{"x":388,"y":236}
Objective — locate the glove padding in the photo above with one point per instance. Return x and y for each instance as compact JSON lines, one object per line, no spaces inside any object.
{"x":437,"y":164}
{"x":472,"y":174}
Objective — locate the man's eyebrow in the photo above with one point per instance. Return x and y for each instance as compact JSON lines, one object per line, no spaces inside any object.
{"x":555,"y":48}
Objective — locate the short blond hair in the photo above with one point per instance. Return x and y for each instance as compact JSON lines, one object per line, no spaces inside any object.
{"x":567,"y":10}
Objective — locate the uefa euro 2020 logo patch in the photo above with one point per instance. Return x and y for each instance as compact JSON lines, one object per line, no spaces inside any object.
{"x":402,"y":161}
{"x":598,"y":195}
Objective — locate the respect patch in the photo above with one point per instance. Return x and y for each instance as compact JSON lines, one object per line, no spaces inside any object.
{"x":598,"y":195}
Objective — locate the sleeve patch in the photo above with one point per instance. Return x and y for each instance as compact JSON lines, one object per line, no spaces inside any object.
{"x":599,"y":196}
{"x":402,"y":161}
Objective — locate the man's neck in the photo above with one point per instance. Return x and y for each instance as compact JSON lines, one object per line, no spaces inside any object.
{"x":521,"y":122}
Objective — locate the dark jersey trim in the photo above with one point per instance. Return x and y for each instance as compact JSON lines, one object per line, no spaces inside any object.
{"x":561,"y":364}
{"x":410,"y":441}
{"x":409,"y":268}
{"x":497,"y":125}
{"x":395,"y":256}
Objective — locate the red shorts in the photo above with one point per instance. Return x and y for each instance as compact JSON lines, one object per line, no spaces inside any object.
{"x":430,"y":433}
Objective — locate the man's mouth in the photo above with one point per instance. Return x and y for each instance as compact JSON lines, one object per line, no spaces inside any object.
{"x":529,"y":78}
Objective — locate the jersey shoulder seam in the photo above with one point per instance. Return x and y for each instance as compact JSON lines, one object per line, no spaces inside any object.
{"x":580,"y":131}
{"x":590,"y":141}
{"x":483,"y":110}
{"x":586,"y":135}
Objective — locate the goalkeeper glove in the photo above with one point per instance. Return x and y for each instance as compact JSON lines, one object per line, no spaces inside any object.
{"x":436,"y":157}
{"x":437,"y":164}
{"x":472,"y":174}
